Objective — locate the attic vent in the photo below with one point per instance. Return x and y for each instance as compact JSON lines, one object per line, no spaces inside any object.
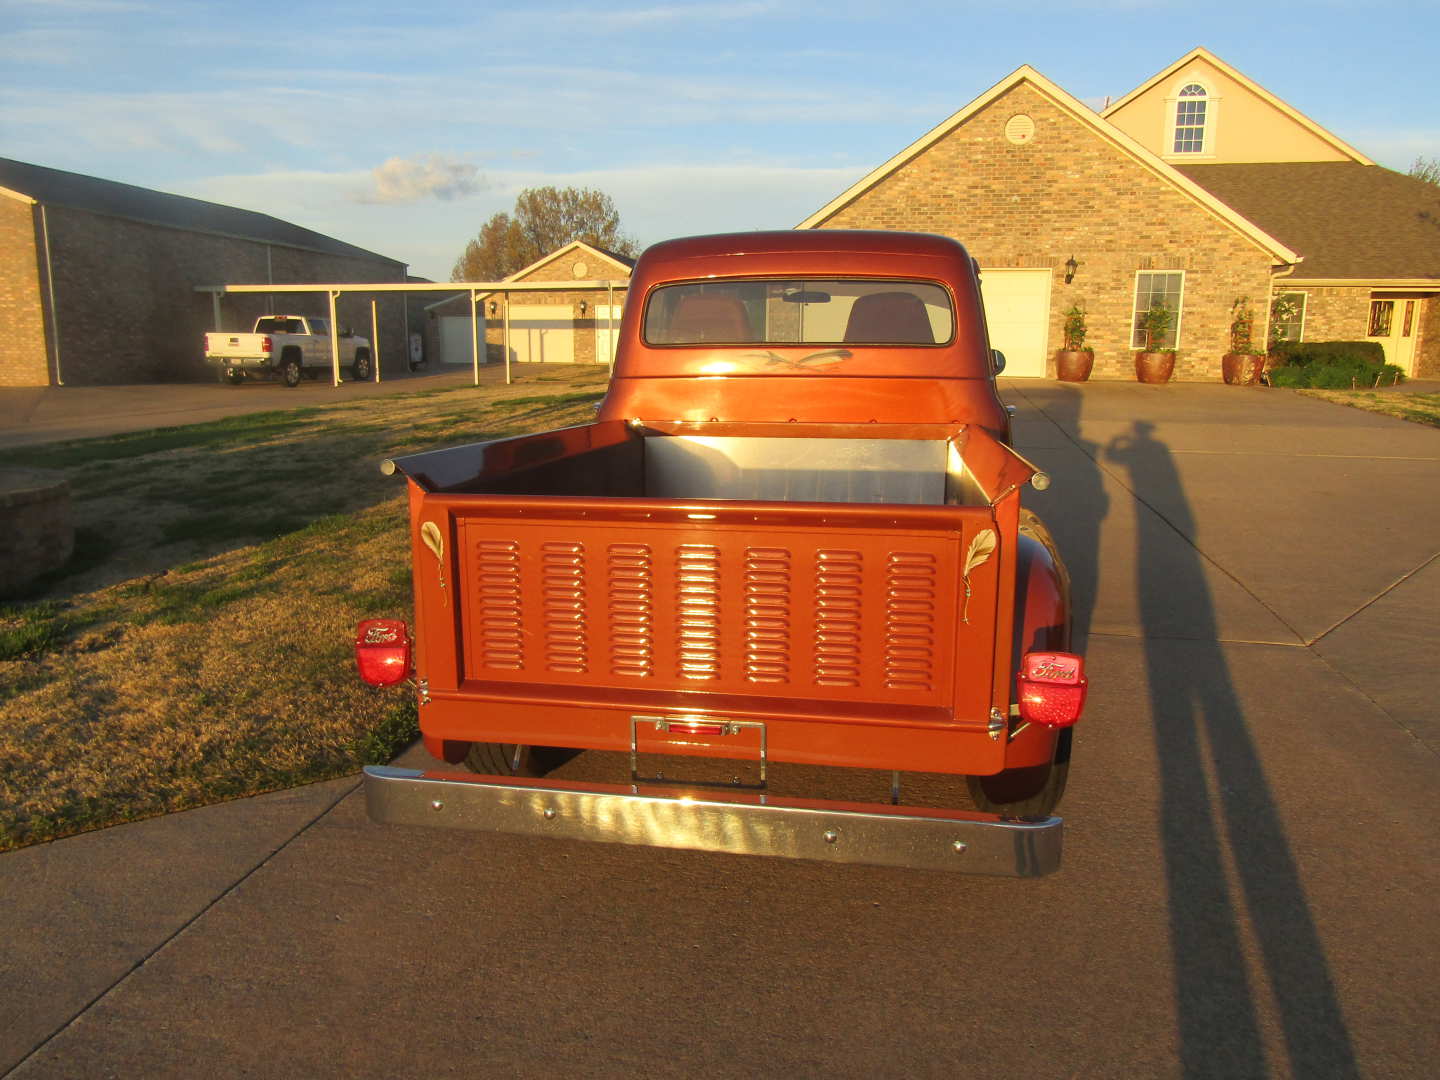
{"x":1020,"y":129}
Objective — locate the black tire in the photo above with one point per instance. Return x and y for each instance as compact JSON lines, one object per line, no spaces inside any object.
{"x":360,"y":369}
{"x":501,"y":759}
{"x":1032,"y":792}
{"x":291,"y":371}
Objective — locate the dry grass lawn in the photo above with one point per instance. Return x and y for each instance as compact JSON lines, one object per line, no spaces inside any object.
{"x":1419,"y":408}
{"x":198,"y":647}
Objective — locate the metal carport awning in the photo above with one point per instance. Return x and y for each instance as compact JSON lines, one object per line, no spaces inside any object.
{"x":475,"y":289}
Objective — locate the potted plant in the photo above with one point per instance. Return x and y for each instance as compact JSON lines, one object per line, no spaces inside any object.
{"x":1074,"y":360}
{"x":1155,"y":364}
{"x":1241,"y":365}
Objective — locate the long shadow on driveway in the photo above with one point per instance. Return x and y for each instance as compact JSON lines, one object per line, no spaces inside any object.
{"x":1215,"y":798}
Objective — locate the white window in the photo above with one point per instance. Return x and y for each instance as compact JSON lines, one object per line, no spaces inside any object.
{"x":1157,"y":289}
{"x":1287,"y":317}
{"x":1190,"y":115}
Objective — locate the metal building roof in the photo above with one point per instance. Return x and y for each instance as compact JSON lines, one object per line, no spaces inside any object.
{"x":55,"y":187}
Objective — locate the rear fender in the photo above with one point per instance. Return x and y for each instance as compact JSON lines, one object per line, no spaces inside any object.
{"x":1042,"y":600}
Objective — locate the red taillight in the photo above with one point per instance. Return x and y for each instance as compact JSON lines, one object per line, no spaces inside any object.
{"x":1051,"y":688}
{"x":207,"y":342}
{"x":265,"y":345}
{"x":382,"y":651}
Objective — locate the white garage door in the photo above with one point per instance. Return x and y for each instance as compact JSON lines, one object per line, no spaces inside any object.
{"x":542,"y":333}
{"x":1017,"y":313}
{"x":456,"y":346}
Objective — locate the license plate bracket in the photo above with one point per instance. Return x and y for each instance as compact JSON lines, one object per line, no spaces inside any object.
{"x":661,"y":735}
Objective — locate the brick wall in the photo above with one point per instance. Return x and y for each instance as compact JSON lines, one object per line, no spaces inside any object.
{"x":1334,"y":314}
{"x":128,"y":311}
{"x":24,"y":360}
{"x":1069,"y":192}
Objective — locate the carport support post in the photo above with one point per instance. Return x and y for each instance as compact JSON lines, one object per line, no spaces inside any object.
{"x":375,"y":339}
{"x":610,"y":328}
{"x":334,"y":339}
{"x":215,"y":309}
{"x":505,"y":336}
{"x":474,"y":338}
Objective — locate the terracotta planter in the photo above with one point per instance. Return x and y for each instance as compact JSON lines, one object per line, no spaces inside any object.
{"x":1241,"y":369}
{"x":1073,"y":365}
{"x":1154,"y":367}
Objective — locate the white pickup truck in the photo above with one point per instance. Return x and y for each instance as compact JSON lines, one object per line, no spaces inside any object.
{"x":290,"y":346}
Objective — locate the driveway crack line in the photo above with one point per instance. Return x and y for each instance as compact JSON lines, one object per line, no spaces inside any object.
{"x":265,"y":860}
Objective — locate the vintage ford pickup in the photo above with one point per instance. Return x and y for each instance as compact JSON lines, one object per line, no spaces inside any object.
{"x":793,"y":534}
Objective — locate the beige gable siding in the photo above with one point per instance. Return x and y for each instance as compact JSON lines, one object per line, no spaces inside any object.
{"x":1245,"y":127}
{"x":1070,"y":192}
{"x":24,"y":360}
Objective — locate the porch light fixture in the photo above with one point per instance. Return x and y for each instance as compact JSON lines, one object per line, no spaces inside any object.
{"x":492,"y":303}
{"x":1070,"y":267}
{"x":583,"y":306}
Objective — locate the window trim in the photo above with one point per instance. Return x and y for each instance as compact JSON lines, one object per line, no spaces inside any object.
{"x":1304,"y":305}
{"x":1172,"y":120}
{"x":1135,"y":310}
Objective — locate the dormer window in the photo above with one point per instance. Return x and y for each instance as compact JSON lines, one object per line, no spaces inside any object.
{"x":1190,"y":118}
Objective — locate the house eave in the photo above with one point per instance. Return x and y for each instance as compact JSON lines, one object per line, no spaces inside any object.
{"x":1378,"y":284}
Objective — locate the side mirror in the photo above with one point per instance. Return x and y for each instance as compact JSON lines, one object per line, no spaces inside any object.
{"x":997,"y":359}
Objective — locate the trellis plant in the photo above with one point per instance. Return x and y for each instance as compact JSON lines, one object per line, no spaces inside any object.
{"x":1074,"y":330}
{"x":1155,"y":322}
{"x":1242,"y":327}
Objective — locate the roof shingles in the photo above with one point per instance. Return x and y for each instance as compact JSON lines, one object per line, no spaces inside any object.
{"x":1349,"y":221}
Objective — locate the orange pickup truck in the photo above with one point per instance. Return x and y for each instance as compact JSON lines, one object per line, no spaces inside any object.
{"x":792,"y":534}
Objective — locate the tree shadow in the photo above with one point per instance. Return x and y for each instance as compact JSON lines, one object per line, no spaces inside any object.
{"x":1199,"y":722}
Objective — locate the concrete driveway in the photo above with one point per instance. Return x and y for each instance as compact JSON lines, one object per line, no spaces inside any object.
{"x":1249,"y":885}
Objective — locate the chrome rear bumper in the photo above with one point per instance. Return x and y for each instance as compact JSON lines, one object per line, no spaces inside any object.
{"x":738,"y":823}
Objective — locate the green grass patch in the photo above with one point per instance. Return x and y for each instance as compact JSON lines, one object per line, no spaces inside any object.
{"x":28,"y":631}
{"x":235,"y":430}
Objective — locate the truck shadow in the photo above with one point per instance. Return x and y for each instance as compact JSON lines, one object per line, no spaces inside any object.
{"x":1233,"y":883}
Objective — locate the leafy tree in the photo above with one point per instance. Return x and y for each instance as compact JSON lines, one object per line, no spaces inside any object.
{"x":1426,"y":169}
{"x":544,"y":219}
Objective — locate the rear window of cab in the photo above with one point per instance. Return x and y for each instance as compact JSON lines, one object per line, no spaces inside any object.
{"x":813,"y":311}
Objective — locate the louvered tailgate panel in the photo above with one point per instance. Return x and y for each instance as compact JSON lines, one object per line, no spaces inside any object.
{"x":852,"y":615}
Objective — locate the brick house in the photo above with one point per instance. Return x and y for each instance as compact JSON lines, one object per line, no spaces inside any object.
{"x":1197,"y":188}
{"x":559,"y":326}
{"x":97,"y":278}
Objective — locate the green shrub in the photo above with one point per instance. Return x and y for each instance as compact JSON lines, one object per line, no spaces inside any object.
{"x":1331,"y":365}
{"x":1339,"y":375}
{"x":1305,"y":353}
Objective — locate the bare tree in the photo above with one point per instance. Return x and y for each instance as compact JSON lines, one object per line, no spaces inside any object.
{"x":1427,"y":169}
{"x":544,"y":219}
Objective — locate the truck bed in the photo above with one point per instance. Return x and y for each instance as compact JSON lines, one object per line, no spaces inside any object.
{"x":779,"y":573}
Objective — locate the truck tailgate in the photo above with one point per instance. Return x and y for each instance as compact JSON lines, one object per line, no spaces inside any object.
{"x":847,"y":614}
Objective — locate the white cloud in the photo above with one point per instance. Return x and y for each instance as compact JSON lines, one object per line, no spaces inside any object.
{"x":408,"y":180}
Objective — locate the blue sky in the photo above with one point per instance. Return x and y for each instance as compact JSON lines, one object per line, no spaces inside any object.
{"x":403,"y":128}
